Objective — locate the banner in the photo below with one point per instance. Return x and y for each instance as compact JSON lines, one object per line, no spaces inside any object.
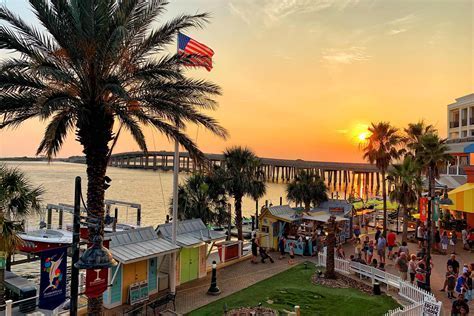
{"x":96,"y":279}
{"x":436,"y":209}
{"x":53,"y":273}
{"x":423,"y":208}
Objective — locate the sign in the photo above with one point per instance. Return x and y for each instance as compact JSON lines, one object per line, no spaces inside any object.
{"x":423,"y":208}
{"x":53,"y":273}
{"x":138,"y":292}
{"x":336,"y":209}
{"x":431,"y":308}
{"x":436,"y":209}
{"x":96,"y":279}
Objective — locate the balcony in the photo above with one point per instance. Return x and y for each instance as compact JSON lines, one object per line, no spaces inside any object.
{"x":453,"y":124}
{"x":471,"y":121}
{"x":464,"y":122}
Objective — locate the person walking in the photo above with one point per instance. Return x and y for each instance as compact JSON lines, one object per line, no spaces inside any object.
{"x":450,"y":281}
{"x":461,"y":284}
{"x":412,"y":265}
{"x":381,"y":245}
{"x":460,"y":307}
{"x":465,"y":237}
{"x":254,"y":249}
{"x":404,"y":248}
{"x":454,"y":264}
{"x":454,"y":240}
{"x":281,"y":246}
{"x":391,"y":243}
{"x":421,"y":275}
{"x":419,"y":235}
{"x":444,"y":242}
{"x":402,"y":265}
{"x":370,"y":251}
{"x":437,"y":239}
{"x":378,"y":233}
{"x":365,"y":248}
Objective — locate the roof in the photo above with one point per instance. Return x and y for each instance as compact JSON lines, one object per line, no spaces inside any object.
{"x":190,"y":232}
{"x":138,"y":244}
{"x":332,"y":204}
{"x":323,"y":217}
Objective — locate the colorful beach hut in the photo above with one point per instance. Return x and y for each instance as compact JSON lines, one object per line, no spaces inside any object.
{"x":143,"y":267}
{"x":193,"y":238}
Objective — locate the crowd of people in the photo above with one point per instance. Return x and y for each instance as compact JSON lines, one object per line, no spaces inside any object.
{"x":413,"y":268}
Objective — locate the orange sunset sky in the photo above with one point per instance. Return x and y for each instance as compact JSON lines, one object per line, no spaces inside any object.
{"x":304,"y":78}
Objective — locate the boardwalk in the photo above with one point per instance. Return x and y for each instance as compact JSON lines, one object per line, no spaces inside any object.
{"x":335,"y":174}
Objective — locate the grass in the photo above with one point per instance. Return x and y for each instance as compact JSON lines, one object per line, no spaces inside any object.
{"x":293,"y":287}
{"x":378,"y":204}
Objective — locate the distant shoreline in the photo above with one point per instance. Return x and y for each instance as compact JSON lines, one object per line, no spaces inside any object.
{"x":72,"y":159}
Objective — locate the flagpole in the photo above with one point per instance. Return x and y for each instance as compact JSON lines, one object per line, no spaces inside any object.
{"x":174,"y":222}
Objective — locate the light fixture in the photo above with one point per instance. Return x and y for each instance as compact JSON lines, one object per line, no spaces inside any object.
{"x":96,"y":257}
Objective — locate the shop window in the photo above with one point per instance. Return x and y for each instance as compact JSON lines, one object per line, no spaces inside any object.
{"x":265,"y":229}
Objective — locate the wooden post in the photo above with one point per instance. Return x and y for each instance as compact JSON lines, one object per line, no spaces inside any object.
{"x":281,"y":200}
{"x":49,"y":219}
{"x":297,"y":310}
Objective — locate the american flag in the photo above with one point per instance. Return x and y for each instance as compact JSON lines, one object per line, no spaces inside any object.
{"x":199,"y":54}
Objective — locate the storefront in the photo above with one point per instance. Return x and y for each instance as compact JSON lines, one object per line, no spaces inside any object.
{"x":462,"y":208}
{"x":193,"y":238}
{"x":143,"y":267}
{"x":303,"y":229}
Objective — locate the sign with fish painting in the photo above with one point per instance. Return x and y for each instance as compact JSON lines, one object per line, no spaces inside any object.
{"x":52,"y":291}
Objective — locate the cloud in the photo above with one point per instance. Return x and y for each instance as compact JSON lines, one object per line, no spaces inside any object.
{"x":346,"y":56}
{"x":271,"y":12}
{"x":401,"y":25}
{"x":342,"y":131}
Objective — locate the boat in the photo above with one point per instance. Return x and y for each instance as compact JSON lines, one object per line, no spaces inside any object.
{"x":44,"y":239}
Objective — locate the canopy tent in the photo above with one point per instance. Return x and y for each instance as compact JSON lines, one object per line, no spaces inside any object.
{"x":463,"y":198}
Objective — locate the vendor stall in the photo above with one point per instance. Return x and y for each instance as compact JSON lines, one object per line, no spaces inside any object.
{"x":303,"y":230}
{"x":141,"y":270}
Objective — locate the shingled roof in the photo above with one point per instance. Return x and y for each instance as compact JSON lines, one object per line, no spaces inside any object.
{"x":190,"y":232}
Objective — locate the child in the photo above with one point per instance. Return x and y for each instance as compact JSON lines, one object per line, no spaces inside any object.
{"x":358,"y":248}
{"x":421,"y":275}
{"x":451,"y":281}
{"x":365,"y":248}
{"x":444,"y":242}
{"x":292,"y":253}
{"x":370,"y":251}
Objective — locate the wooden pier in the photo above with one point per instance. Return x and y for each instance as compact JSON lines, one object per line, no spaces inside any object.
{"x":335,"y":174}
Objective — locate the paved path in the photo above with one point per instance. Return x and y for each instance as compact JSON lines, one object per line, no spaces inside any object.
{"x":439,"y":267}
{"x":231,"y":279}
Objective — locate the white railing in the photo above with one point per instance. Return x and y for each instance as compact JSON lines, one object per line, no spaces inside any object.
{"x":416,"y":295}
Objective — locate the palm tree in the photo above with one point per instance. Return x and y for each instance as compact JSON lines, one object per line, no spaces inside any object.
{"x":331,"y":244}
{"x":405,"y":179}
{"x":101,"y":64}
{"x":307,"y":188}
{"x":241,"y":176}
{"x":202,"y":197}
{"x":431,"y":152}
{"x":413,"y":134}
{"x":18,"y":199}
{"x":381,"y":149}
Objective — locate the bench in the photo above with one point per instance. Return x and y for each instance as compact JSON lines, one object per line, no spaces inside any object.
{"x":161,"y":303}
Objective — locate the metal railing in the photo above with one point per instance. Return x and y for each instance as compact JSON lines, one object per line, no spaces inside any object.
{"x":453,"y":124}
{"x":416,"y":295}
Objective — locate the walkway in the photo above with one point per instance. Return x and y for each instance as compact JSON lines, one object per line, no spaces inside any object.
{"x":439,"y":267}
{"x":231,"y":279}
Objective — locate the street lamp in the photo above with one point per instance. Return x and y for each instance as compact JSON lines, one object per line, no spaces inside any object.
{"x":213,"y":289}
{"x":96,"y":257}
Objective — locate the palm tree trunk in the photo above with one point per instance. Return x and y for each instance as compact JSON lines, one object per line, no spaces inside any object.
{"x":2,"y":288}
{"x":331,"y":238}
{"x":431,"y":178}
{"x":405,"y":223}
{"x":307,"y":206}
{"x":384,"y":197}
{"x":238,"y":216}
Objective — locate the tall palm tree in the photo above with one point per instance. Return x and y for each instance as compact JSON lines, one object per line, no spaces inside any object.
{"x":242,"y":177}
{"x":202,"y":197}
{"x":307,"y":188}
{"x":18,"y":199}
{"x":413,"y":134}
{"x":100,"y":64}
{"x":381,"y":148}
{"x":431,"y":152}
{"x":405,"y":178}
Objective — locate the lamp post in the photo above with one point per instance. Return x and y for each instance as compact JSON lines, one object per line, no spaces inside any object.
{"x":213,"y":289}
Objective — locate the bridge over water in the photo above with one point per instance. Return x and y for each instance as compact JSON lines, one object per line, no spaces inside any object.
{"x":335,"y":174}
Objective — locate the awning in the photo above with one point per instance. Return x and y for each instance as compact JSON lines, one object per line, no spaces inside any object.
{"x":463,"y":198}
{"x":324,"y":218}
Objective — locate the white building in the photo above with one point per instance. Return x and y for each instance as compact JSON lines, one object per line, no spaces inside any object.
{"x":460,"y":135}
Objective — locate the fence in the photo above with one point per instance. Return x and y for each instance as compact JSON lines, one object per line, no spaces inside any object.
{"x":417,"y":296}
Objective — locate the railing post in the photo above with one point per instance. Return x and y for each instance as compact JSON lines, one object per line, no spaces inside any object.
{"x":297,"y":310}
{"x":8,"y":308}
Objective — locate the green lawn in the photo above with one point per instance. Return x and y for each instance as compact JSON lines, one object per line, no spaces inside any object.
{"x":293,"y":287}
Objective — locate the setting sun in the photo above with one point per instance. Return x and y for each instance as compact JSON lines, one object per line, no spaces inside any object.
{"x":363,"y":136}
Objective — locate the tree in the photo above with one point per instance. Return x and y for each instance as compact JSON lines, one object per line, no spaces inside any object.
{"x":431,"y":153}
{"x":413,"y":134}
{"x":202,"y":196}
{"x":381,"y":149}
{"x":18,"y":199}
{"x":101,"y":64}
{"x":241,"y":177}
{"x":307,"y":188}
{"x":405,"y":178}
